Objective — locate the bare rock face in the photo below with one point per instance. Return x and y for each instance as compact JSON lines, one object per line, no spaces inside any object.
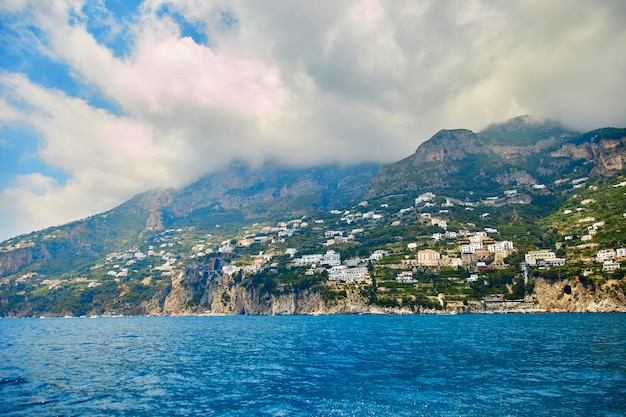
{"x":221,"y":296}
{"x":155,"y":221}
{"x":508,"y":152}
{"x":607,"y":153}
{"x":448,"y":145}
{"x":515,"y":177}
{"x":176,"y":300}
{"x":11,"y":262}
{"x":610,"y":155}
{"x":572,"y":151}
{"x":572,"y":296}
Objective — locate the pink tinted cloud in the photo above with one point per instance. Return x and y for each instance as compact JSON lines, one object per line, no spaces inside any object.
{"x":179,"y":69}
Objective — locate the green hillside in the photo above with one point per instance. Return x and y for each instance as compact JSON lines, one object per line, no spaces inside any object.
{"x":236,"y":242}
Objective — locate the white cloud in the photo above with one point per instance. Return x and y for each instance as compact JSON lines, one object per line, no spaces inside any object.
{"x":299,"y":82}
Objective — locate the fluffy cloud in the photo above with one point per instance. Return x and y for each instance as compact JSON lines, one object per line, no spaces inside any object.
{"x":300,"y":83}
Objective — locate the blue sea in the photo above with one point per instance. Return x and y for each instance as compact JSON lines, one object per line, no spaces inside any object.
{"x":462,"y":365}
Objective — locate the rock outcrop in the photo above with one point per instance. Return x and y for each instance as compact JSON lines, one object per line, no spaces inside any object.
{"x":201,"y":290}
{"x":576,"y":296}
{"x":517,"y":153}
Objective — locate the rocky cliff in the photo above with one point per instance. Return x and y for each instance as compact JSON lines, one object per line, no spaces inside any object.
{"x":201,"y":290}
{"x":523,"y":153}
{"x":577,"y":296}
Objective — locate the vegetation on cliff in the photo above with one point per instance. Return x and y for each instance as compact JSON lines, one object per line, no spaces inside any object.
{"x":240,"y":242}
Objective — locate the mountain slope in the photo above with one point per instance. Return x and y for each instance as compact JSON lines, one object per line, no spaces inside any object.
{"x":464,"y":163}
{"x":164,"y":251}
{"x":231,"y":196}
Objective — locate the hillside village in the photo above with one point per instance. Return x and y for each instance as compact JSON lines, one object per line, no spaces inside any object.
{"x":467,"y":222}
{"x":313,"y":247}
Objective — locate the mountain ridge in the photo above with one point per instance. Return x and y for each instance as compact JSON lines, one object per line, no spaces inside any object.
{"x":460,"y":167}
{"x":488,"y":165}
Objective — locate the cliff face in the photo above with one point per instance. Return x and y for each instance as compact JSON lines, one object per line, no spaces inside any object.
{"x":223,"y":297}
{"x":200,"y":290}
{"x":608,"y":155}
{"x":448,"y":145}
{"x":574,"y":296}
{"x":11,"y":262}
{"x":520,"y":153}
{"x":569,"y":296}
{"x":509,"y":152}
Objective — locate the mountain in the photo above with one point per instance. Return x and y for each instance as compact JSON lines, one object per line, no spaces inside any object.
{"x":226,"y":244}
{"x":231,"y":197}
{"x":519,"y":153}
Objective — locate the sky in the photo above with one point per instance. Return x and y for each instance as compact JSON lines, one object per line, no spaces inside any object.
{"x":104,"y":99}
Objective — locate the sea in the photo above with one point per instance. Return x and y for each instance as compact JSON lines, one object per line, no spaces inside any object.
{"x":353,"y":365}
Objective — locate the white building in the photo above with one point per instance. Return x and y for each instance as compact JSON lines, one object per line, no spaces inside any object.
{"x":343,"y":273}
{"x":451,"y":235}
{"x":500,"y":247}
{"x":378,"y":255}
{"x":309,"y":259}
{"x":230,"y":269}
{"x":532,"y":257}
{"x":471,"y":247}
{"x":353,"y":262}
{"x":331,"y":258}
{"x":405,"y":276}
{"x":605,"y":254}
{"x":555,"y":262}
{"x":424,"y":197}
{"x":438,"y":236}
{"x":337,"y":273}
{"x":359,"y":273}
{"x":472,"y":278}
{"x":610,"y":265}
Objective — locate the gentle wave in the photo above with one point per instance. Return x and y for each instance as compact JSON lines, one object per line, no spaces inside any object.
{"x":514,"y":365}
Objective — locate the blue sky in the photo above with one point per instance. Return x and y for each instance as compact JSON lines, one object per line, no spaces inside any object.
{"x":100,"y":100}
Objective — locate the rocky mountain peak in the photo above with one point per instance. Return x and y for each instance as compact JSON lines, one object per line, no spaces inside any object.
{"x":447,"y":145}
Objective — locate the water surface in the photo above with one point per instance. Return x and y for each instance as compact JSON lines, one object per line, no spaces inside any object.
{"x":514,"y":365}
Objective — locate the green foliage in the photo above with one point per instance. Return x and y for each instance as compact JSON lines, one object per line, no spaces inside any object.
{"x":536,"y":221}
{"x":329,"y":294}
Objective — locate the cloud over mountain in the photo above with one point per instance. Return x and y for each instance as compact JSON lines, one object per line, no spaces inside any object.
{"x":123,"y":97}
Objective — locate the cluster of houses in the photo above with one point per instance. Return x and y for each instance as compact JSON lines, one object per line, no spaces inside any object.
{"x":610,"y":258}
{"x":473,"y":250}
{"x":259,"y":263}
{"x":476,"y":249}
{"x":543,"y":258}
{"x":353,"y":269}
{"x":18,"y":245}
{"x":267,"y":234}
{"x":163,"y":255}
{"x":575,"y":183}
{"x":119,"y":264}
